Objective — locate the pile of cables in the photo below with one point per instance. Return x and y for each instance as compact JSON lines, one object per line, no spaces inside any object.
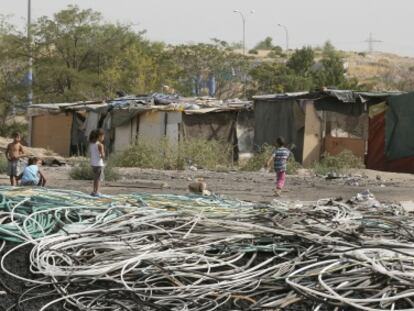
{"x":27,"y":213}
{"x":157,"y":252}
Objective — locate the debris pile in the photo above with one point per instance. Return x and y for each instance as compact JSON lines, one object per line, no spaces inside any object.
{"x":167,"y":252}
{"x":49,"y":157}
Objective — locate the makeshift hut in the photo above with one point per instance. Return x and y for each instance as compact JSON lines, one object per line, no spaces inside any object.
{"x":64,"y":128}
{"x":391,"y":130}
{"x":314,"y":123}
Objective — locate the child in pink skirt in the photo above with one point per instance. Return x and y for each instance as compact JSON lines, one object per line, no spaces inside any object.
{"x":280,"y":156}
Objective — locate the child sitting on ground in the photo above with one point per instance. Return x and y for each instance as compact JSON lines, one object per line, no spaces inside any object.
{"x":280,"y":157}
{"x":32,"y":176}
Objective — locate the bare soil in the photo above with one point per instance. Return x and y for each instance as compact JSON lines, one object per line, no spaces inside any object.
{"x":251,"y":186}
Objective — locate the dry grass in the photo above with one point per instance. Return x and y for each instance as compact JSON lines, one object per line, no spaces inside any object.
{"x":210,"y":155}
{"x":83,"y":171}
{"x":340,"y":164}
{"x":260,"y":159}
{"x":3,"y":165}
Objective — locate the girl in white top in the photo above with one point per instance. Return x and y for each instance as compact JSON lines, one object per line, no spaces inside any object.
{"x":97,"y":151}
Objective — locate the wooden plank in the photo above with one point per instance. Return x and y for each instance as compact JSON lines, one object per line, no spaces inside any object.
{"x":313,"y":135}
{"x":336,"y":145}
{"x":52,"y":132}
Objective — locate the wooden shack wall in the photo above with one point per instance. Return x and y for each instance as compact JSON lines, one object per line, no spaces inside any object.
{"x":313,"y":143}
{"x":52,"y":131}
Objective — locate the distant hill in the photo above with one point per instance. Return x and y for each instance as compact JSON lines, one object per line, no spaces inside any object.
{"x":381,"y":71}
{"x":375,"y":71}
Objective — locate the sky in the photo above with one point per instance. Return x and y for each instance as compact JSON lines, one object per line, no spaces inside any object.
{"x":347,"y":23}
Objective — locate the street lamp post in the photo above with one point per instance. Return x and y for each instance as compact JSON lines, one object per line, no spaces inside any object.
{"x":29,"y":39}
{"x":287,"y":35}
{"x":244,"y":42}
{"x":244,"y":28}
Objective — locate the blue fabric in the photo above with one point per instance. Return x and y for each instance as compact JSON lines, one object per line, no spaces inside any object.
{"x":211,"y":86}
{"x":30,"y":175}
{"x":280,"y":156}
{"x":164,"y":99}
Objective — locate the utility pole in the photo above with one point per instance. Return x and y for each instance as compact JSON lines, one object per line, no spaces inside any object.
{"x":287,"y":36}
{"x":371,"y":41}
{"x":243,"y":17}
{"x":29,"y":39}
{"x":244,"y":29}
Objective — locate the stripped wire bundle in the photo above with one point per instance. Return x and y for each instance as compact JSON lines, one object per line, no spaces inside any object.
{"x":158,"y":252}
{"x":32,"y":213}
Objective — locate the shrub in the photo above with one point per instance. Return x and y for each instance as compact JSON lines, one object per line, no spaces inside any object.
{"x":7,"y":129}
{"x":83,"y":171}
{"x":339,"y":164}
{"x":145,"y":155}
{"x":3,"y":165}
{"x":293,"y":166}
{"x":206,"y":154}
{"x":259,"y":160}
{"x":164,"y":155}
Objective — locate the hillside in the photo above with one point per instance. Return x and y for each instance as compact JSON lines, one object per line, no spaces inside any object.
{"x":381,"y":71}
{"x":375,"y":72}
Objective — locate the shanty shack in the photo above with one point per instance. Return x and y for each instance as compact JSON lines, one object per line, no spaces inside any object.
{"x":64,"y":128}
{"x":391,"y":131}
{"x":332,"y":121}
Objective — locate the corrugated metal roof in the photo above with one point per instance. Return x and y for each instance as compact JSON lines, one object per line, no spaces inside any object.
{"x":281,"y":95}
{"x":345,"y":96}
{"x":142,"y":103}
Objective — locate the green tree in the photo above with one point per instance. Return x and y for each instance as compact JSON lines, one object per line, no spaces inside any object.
{"x":79,"y":56}
{"x":276,"y":52}
{"x":201,"y":60}
{"x":138,"y":69}
{"x":266,"y":44}
{"x":332,"y":71}
{"x":13,"y":66}
{"x":301,"y":61}
{"x":273,"y":77}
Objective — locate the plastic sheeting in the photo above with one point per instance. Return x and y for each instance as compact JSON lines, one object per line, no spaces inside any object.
{"x":399,"y":123}
{"x":91,"y":123}
{"x":376,"y":159}
{"x":211,"y":126}
{"x":279,"y":118}
{"x":347,"y":126}
{"x":245,"y":131}
{"x":122,"y":116}
{"x":335,"y":105}
{"x":78,"y":138}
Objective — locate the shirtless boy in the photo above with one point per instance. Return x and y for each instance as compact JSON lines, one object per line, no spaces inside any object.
{"x":14,"y":153}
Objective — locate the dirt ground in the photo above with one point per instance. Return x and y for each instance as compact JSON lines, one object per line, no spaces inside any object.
{"x":256,"y":186}
{"x":251,"y":186}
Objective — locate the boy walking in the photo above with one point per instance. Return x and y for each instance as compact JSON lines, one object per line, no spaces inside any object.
{"x":14,"y":153}
{"x":280,"y":157}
